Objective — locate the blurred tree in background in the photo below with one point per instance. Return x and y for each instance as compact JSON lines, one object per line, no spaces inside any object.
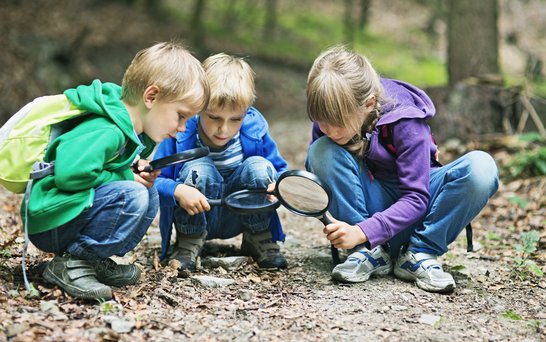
{"x":430,"y":43}
{"x":473,"y":38}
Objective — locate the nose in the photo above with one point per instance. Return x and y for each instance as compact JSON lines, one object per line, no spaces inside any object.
{"x":223,"y":128}
{"x":327,"y":129}
{"x":181,"y":126}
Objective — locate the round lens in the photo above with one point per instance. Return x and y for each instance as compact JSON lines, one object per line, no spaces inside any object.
{"x":251,"y":200}
{"x":303,"y":195}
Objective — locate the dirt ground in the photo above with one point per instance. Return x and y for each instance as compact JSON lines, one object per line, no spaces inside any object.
{"x":493,"y":300}
{"x":301,"y":303}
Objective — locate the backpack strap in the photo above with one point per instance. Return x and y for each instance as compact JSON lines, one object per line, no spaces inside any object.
{"x":385,"y":135}
{"x":40,"y":169}
{"x":385,"y":139}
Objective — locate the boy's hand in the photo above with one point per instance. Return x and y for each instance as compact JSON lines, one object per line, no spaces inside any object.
{"x":343,"y":235}
{"x":191,"y":199}
{"x":270,"y":189}
{"x":145,"y":178}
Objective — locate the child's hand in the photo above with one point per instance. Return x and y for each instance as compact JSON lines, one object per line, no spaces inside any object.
{"x":191,"y":199}
{"x":145,"y":178}
{"x":270,"y":189}
{"x":343,"y":235}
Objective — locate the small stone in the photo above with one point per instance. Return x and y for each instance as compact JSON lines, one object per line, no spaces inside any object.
{"x":208,"y":281}
{"x":227,"y":263}
{"x":246,"y":295}
{"x":430,"y":319}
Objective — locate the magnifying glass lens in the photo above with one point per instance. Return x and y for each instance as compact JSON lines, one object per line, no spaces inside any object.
{"x":250,"y":200}
{"x":303,"y":195}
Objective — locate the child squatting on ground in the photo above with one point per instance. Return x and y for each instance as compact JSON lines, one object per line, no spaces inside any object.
{"x":95,"y":206}
{"x":243,"y":156}
{"x":394,"y":212}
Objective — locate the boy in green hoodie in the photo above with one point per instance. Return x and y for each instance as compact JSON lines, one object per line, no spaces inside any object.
{"x":96,"y":205}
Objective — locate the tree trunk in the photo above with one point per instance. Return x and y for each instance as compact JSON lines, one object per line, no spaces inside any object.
{"x":198,"y":34}
{"x":230,"y":16}
{"x":348,"y":23}
{"x":364,"y":14}
{"x":270,"y":19}
{"x":472,"y":39}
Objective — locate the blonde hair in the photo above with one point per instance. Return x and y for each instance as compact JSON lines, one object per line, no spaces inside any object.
{"x":339,"y":85}
{"x":231,"y":82}
{"x":172,"y":68}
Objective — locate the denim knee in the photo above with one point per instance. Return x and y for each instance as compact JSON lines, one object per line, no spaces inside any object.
{"x":153,"y":202}
{"x":483,"y":176}
{"x":257,"y":172}
{"x":199,"y":173}
{"x":324,"y":154}
{"x":136,"y":198}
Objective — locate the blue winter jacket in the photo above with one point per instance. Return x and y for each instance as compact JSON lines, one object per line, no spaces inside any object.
{"x":255,"y":141}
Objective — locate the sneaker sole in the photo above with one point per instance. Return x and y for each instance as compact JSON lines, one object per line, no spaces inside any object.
{"x":406,"y":276}
{"x":431,"y":288}
{"x":269,"y":266}
{"x":101,"y":294}
{"x":263,"y":264}
{"x":359,"y":278}
{"x":121,"y":281}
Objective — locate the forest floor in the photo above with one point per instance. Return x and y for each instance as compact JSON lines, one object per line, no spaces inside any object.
{"x":494,"y":300}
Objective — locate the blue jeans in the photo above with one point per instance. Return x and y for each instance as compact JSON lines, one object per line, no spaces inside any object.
{"x":458,"y":192}
{"x":120,"y":215}
{"x":220,"y":222}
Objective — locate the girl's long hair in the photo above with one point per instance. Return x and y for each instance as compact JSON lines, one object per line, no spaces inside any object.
{"x":339,"y":85}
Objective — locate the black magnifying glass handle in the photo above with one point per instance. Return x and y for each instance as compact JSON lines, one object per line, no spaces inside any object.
{"x":324,"y":219}
{"x":335,"y":252}
{"x":213,"y":202}
{"x":335,"y":255}
{"x":176,"y":158}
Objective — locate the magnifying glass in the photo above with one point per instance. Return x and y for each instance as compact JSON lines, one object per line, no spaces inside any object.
{"x":303,"y":193}
{"x":248,"y":202}
{"x":181,"y":157}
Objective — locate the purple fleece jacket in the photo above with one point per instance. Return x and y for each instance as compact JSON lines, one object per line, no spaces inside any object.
{"x":406,"y":110}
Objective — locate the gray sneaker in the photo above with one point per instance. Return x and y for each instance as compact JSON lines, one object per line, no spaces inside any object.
{"x":187,"y":249}
{"x":362,"y":264}
{"x":263,"y":250}
{"x":77,"y":277}
{"x":110,"y":273}
{"x":425,"y":271}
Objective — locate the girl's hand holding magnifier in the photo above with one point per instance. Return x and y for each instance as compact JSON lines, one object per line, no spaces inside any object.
{"x":344,"y":235}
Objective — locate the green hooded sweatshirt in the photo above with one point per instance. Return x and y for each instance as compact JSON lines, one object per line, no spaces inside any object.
{"x":96,"y":151}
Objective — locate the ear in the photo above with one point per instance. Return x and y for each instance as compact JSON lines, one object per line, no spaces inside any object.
{"x":150,"y":95}
{"x":370,"y":102}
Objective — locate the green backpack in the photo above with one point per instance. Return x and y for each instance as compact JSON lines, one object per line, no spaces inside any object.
{"x":23,"y":142}
{"x":26,"y":136}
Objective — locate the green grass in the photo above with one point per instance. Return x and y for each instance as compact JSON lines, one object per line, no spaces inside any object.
{"x":402,"y":62}
{"x":536,"y":88}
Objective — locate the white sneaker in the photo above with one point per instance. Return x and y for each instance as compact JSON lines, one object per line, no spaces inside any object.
{"x":362,"y":264}
{"x":425,"y":271}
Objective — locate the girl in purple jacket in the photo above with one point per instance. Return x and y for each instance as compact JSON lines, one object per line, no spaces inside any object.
{"x":396,"y":210}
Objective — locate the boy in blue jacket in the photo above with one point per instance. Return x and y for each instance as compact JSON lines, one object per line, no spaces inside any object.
{"x":243,"y":156}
